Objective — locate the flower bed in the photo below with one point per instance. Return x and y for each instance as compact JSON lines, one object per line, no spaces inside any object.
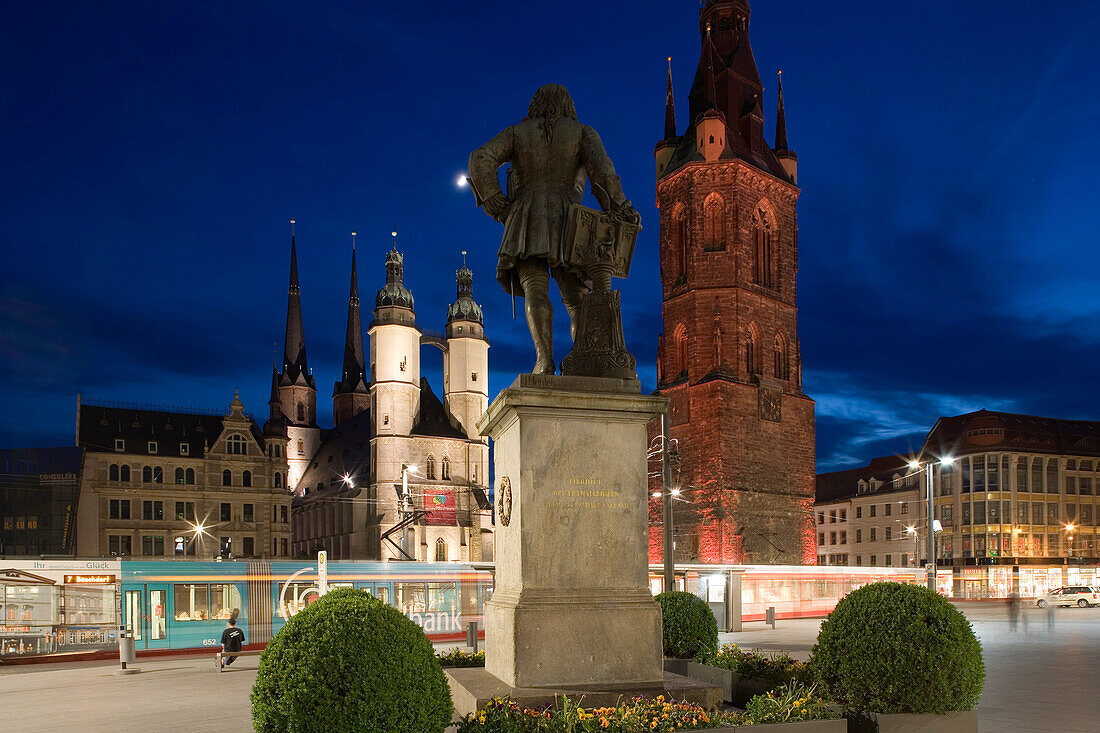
{"x":461,"y":658}
{"x":749,"y":673}
{"x":793,"y":706}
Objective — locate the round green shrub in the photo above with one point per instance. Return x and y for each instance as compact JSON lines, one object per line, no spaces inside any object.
{"x":897,"y":648}
{"x":350,"y":662}
{"x":689,"y":628}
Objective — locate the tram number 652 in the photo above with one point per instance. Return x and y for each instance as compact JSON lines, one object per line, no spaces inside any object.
{"x":211,"y":642}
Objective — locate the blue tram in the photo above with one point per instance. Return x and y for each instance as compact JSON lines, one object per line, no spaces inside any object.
{"x":185,"y":605}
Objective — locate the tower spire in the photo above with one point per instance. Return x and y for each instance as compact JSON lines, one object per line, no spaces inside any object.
{"x":354,"y":370}
{"x":294,"y":354}
{"x":670,"y":106}
{"x":780,"y":122}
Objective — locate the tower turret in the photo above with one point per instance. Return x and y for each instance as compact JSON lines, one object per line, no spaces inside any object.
{"x":351,"y":393}
{"x":466,"y":361}
{"x":395,"y":352}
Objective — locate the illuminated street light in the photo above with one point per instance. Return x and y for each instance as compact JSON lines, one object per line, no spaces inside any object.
{"x":915,"y":465}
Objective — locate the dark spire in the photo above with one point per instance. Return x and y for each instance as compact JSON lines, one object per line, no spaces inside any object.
{"x":276,"y":423}
{"x":670,"y":106}
{"x":780,"y":122}
{"x":294,"y":353}
{"x":353,"y":375}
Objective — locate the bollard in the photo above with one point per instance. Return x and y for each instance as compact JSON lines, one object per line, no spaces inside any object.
{"x":126,"y":651}
{"x":769,"y":616}
{"x":471,"y":635}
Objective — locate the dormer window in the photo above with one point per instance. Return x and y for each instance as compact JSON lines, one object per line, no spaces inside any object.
{"x":185,"y":449}
{"x":152,"y":446}
{"x":120,"y":444}
{"x":235,"y":445}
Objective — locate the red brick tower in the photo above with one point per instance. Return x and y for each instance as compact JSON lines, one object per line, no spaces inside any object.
{"x":729,"y":358}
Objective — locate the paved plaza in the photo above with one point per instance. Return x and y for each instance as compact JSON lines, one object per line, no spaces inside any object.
{"x":1039,"y":679}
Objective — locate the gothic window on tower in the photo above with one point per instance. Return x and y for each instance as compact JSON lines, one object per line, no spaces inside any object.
{"x":429,"y":467}
{"x":680,"y":365}
{"x":680,"y":244}
{"x":301,"y":447}
{"x":714,"y":223}
{"x":445,"y":468}
{"x":752,"y":352}
{"x":782,"y":367}
{"x":441,"y":550}
{"x":763,"y":245}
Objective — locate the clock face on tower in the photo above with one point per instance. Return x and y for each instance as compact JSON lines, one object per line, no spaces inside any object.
{"x":771,"y":404}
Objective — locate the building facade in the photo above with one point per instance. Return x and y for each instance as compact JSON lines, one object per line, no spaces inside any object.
{"x":163,"y":484}
{"x":39,"y":488}
{"x":1017,"y":497}
{"x":728,"y":356}
{"x":402,"y":475}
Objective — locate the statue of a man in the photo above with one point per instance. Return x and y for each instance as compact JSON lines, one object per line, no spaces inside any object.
{"x":551,"y":154}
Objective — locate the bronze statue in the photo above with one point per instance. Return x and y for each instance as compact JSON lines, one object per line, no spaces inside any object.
{"x":551,"y":156}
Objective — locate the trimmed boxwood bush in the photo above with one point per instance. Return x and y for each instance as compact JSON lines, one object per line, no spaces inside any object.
{"x":350,"y":662}
{"x":897,"y":648}
{"x":689,"y":627}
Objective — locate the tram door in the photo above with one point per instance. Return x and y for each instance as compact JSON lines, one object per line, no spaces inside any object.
{"x":157,"y":616}
{"x":147,"y":616}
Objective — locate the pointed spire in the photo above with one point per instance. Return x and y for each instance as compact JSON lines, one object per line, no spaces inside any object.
{"x":354,"y":364}
{"x":781,"y":121}
{"x":294,"y":346}
{"x":670,"y":106}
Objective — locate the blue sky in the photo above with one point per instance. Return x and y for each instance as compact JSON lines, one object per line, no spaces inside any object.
{"x":154,"y":153}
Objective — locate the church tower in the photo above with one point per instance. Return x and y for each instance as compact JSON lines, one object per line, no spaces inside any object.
{"x":466,"y":360}
{"x":297,"y":391}
{"x":394,"y":354}
{"x":351,"y":393}
{"x":728,"y":357}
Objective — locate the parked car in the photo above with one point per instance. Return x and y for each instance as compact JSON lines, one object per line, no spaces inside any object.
{"x":1071,"y":595}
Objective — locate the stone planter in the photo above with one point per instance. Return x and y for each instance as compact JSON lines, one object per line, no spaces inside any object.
{"x":746,"y":688}
{"x":721,"y":678}
{"x":809,"y":726}
{"x":960,"y":722}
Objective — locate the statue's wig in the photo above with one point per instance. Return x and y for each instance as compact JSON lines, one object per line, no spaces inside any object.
{"x":551,"y":101}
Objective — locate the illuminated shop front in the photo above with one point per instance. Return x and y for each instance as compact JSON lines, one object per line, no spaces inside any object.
{"x":51,"y":607}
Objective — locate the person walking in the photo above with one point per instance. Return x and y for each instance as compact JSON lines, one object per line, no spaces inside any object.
{"x":232,"y":639}
{"x":1013,"y":610}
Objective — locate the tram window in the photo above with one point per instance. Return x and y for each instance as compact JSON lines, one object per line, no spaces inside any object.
{"x":224,"y":600}
{"x":410,"y":597}
{"x":443,"y":597}
{"x":157,"y":622}
{"x":191,"y":602}
{"x":382,"y":593}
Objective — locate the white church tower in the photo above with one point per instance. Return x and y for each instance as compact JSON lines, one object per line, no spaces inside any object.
{"x":466,"y":361}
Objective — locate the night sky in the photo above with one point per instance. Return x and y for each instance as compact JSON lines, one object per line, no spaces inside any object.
{"x":153,"y":153}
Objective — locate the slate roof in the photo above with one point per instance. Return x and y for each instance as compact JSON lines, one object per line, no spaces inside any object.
{"x":344,"y":451}
{"x":434,"y":420}
{"x":98,"y":426}
{"x":984,"y":431}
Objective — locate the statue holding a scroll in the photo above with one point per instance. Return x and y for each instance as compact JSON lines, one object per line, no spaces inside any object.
{"x":548,"y":232}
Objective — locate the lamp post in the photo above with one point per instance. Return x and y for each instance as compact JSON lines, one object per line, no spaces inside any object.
{"x":405,"y":503}
{"x":916,"y":466}
{"x":666,"y":503}
{"x":912,"y":530}
{"x":1069,"y":539}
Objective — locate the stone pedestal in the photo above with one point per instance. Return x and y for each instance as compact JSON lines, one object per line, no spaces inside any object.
{"x":571,"y":605}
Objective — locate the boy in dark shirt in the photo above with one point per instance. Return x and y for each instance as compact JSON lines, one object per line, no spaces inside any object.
{"x":232,"y":640}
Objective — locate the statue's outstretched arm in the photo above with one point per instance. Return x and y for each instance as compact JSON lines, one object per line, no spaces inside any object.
{"x":601,"y":171}
{"x":484,"y":163}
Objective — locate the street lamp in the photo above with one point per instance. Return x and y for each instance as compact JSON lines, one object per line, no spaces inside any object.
{"x":405,"y":505}
{"x":916,"y":466}
{"x":1069,"y":539}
